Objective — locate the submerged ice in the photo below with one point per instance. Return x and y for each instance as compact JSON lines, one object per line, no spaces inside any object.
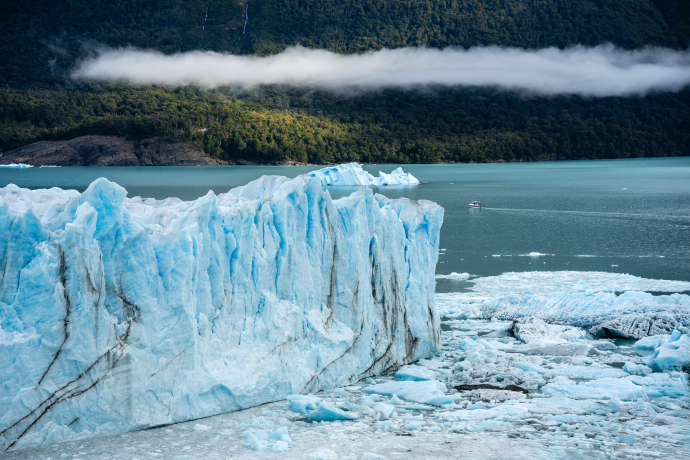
{"x":119,"y":314}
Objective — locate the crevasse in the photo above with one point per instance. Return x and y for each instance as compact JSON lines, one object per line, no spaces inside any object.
{"x":119,"y":314}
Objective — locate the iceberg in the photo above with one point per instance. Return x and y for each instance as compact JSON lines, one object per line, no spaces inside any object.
{"x":353,"y":174}
{"x":121,"y":314}
{"x":16,"y":165}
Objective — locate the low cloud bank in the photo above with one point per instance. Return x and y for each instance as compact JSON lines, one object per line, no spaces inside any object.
{"x":600,"y":71}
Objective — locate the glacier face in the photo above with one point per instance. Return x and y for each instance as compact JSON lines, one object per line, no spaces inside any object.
{"x":353,"y":174}
{"x":119,"y":314}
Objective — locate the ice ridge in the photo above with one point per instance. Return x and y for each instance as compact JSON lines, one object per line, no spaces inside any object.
{"x":120,"y":314}
{"x":353,"y":174}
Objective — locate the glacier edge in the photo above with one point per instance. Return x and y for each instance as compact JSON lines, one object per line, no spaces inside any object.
{"x":119,"y":314}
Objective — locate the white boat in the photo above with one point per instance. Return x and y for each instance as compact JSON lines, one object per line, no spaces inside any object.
{"x":475,"y":204}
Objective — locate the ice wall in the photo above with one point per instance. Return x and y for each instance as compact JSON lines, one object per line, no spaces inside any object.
{"x":120,"y":314}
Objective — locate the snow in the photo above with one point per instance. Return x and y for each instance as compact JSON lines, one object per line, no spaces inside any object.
{"x":121,"y":314}
{"x":589,"y":300}
{"x":353,"y":174}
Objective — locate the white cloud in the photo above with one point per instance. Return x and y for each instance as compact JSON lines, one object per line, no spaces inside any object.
{"x":600,"y":71}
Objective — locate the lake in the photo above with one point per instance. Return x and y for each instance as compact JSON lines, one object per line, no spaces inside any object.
{"x":621,"y":216}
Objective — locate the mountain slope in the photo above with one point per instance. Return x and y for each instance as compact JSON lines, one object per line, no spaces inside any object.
{"x":41,"y":42}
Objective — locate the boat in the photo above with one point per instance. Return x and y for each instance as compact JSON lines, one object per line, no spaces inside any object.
{"x":476,"y":204}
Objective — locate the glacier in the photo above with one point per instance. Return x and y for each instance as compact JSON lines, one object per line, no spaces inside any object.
{"x":120,"y":314}
{"x":353,"y":174}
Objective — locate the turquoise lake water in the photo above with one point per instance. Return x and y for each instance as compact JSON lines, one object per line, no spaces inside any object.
{"x":623,"y":216}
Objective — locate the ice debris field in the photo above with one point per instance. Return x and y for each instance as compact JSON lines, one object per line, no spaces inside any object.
{"x":523,"y":386}
{"x":121,"y":314}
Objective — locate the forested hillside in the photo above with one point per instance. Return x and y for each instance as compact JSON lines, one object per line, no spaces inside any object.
{"x":42,"y":41}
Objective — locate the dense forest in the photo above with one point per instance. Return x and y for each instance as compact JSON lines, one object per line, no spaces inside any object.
{"x":41,"y":43}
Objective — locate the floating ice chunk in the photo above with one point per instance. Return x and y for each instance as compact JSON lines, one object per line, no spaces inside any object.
{"x":674,"y":354}
{"x":534,"y":331}
{"x":427,"y":391}
{"x":386,"y":410}
{"x":454,"y":276}
{"x":493,"y":395}
{"x":499,"y":413}
{"x":396,"y":401}
{"x":586,"y":372}
{"x":16,"y":165}
{"x":529,"y":367}
{"x":565,"y":418}
{"x":400,"y":447}
{"x":254,"y":443}
{"x":386,"y":425}
{"x":636,"y":369}
{"x":661,"y":384}
{"x":412,"y":425}
{"x":200,"y":427}
{"x":490,"y":369}
{"x":606,"y":388}
{"x":286,"y":439}
{"x":327,"y":412}
{"x":615,"y":405}
{"x":302,"y":404}
{"x":261,"y":435}
{"x":373,"y":456}
{"x":488,"y":425}
{"x":642,"y":408}
{"x":278,"y":433}
{"x":323,"y":454}
{"x":415,"y":373}
{"x":353,"y":174}
{"x":652,"y":341}
{"x":280,"y":446}
{"x":370,"y":400}
{"x":561,"y":349}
